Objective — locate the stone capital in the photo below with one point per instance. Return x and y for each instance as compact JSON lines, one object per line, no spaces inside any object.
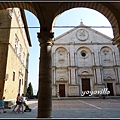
{"x":45,"y":35}
{"x":46,"y":38}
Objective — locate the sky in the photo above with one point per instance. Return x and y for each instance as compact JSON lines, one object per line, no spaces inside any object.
{"x":71,"y":17}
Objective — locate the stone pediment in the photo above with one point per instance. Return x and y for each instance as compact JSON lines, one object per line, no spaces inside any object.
{"x":62,"y":79}
{"x":109,"y":79}
{"x":82,"y":34}
{"x":84,"y":72}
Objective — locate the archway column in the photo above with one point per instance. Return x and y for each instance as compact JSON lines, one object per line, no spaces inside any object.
{"x":45,"y":75}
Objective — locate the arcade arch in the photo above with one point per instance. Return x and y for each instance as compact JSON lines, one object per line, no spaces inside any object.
{"x":87,"y":16}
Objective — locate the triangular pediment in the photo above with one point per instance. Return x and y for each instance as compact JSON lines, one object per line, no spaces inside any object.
{"x":82,"y":34}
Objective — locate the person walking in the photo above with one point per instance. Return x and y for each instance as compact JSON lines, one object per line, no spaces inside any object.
{"x":18,"y":99}
{"x":58,"y":95}
{"x":2,"y":105}
{"x":22,"y":102}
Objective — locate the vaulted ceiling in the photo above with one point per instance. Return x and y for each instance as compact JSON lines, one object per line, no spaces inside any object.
{"x":46,"y":12}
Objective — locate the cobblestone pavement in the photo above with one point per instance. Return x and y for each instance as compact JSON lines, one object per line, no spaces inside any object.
{"x":73,"y":108}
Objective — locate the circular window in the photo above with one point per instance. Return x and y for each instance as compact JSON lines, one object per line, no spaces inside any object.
{"x":83,"y":54}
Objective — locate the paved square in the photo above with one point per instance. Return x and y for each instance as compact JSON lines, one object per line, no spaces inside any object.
{"x":73,"y":108}
{"x":86,"y":108}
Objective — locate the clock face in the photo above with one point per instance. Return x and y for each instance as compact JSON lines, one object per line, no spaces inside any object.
{"x":82,"y":34}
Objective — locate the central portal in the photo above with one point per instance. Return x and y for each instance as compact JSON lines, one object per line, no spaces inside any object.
{"x":86,"y":85}
{"x":62,"y":90}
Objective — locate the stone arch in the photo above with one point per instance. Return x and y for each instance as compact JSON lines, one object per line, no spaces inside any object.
{"x":85,"y":73}
{"x":61,"y":47}
{"x":62,"y":78}
{"x":84,"y":56}
{"x":100,"y":7}
{"x":109,"y":77}
{"x":22,"y":5}
{"x":103,"y":8}
{"x":107,"y":47}
{"x":84,"y":47}
{"x":45,"y":69}
{"x":106,"y":55}
{"x":61,"y":55}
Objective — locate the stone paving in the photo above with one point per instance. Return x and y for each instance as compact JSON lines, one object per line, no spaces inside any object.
{"x":73,"y":108}
{"x":87,"y":108}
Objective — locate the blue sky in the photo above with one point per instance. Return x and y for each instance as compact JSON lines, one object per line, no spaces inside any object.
{"x":70,"y":17}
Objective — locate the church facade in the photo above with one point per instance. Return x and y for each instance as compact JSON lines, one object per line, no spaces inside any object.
{"x":85,"y":63}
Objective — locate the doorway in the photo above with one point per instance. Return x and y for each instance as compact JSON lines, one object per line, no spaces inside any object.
{"x":62,"y":90}
{"x":86,"y":85}
{"x":110,"y":88}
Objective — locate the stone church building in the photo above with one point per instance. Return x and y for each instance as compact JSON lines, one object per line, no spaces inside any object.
{"x":84,"y":59}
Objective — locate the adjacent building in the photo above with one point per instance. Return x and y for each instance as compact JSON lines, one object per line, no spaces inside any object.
{"x":14,"y":53}
{"x":85,"y":60}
